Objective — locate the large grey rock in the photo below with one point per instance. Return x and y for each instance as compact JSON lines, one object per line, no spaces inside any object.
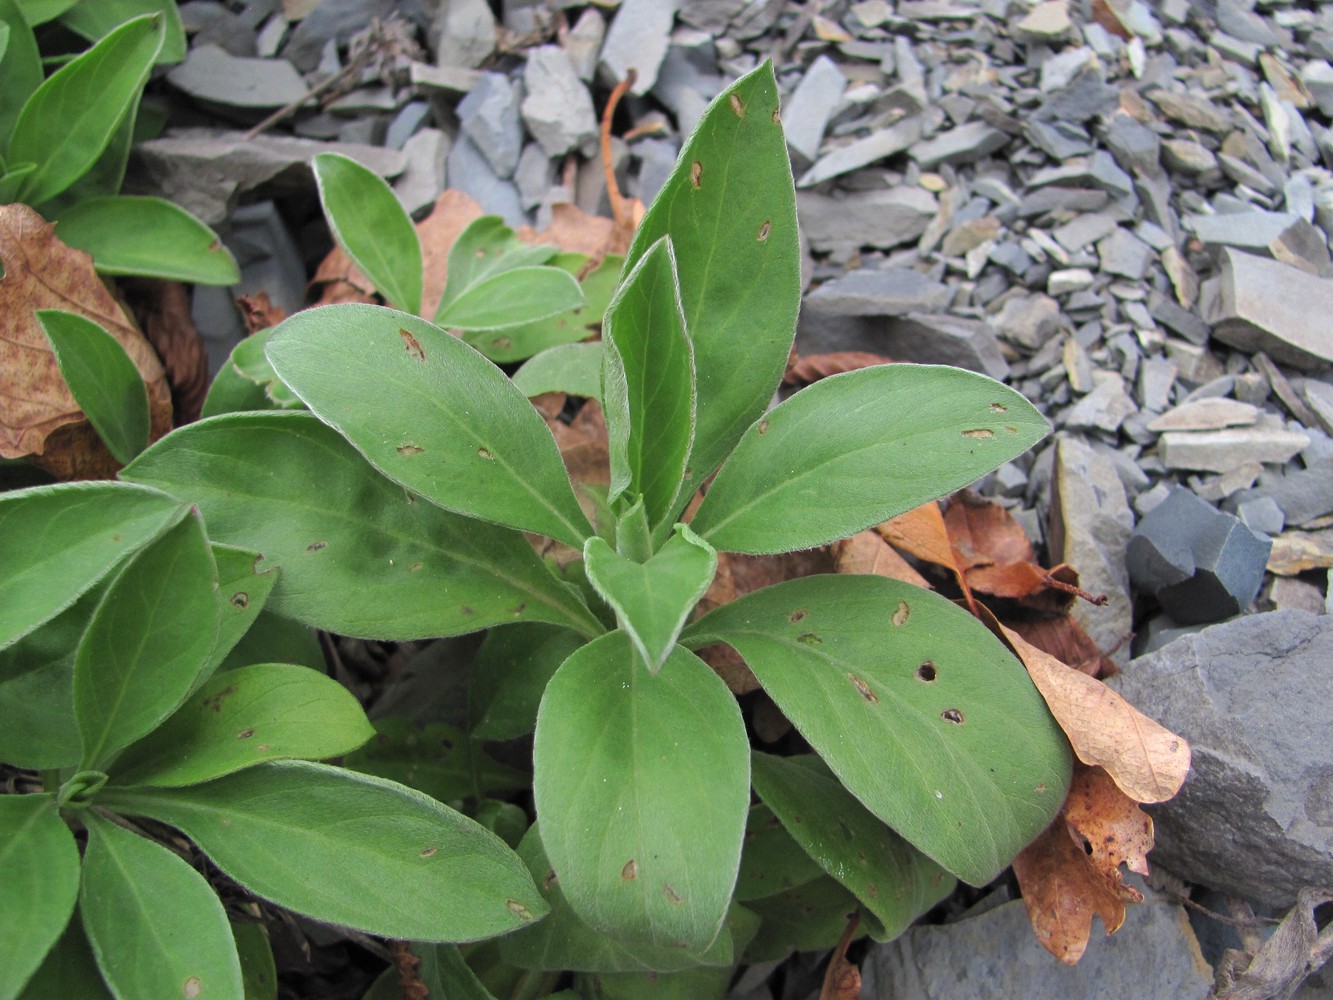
{"x":489,"y":115}
{"x":863,"y":152}
{"x":1105,"y":408}
{"x":557,"y":107}
{"x":884,"y":219}
{"x":211,"y":74}
{"x":637,"y":40}
{"x":806,"y":113}
{"x":889,"y":292}
{"x":207,"y":173}
{"x":1219,"y":451}
{"x":1090,"y":524}
{"x":332,"y":21}
{"x":1028,"y":321}
{"x":1202,"y":564}
{"x":1263,"y":305}
{"x":462,"y":33}
{"x":470,"y":172}
{"x":945,"y":340}
{"x":996,"y":956}
{"x":964,"y":144}
{"x":1254,"y":697}
{"x":1302,"y":495}
{"x":422,"y":181}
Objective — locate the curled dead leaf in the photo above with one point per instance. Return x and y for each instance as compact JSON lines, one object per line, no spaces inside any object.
{"x":163,"y":308}
{"x":1147,"y":760}
{"x":842,"y":979}
{"x":868,"y":554}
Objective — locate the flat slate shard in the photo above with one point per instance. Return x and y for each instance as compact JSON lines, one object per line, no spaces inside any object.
{"x":638,"y":40}
{"x":883,"y":219}
{"x":805,"y":114}
{"x":1262,"y":305}
{"x":557,"y":107}
{"x":889,"y":292}
{"x":210,"y":73}
{"x":863,"y":152}
{"x":1254,"y":697}
{"x":1202,"y":564}
{"x":964,"y":144}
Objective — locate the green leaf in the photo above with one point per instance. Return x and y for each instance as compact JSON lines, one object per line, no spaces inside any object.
{"x":515,"y":343}
{"x":859,"y":448}
{"x":575,"y":369}
{"x":147,"y":236}
{"x":916,"y":707}
{"x":273,"y":639}
{"x":266,"y":711}
{"x":810,"y":917}
{"x":37,"y":691}
{"x":248,"y":382}
{"x":892,"y":880}
{"x":652,"y":600}
{"x":359,"y":555}
{"x":562,"y":940}
{"x":485,"y":248}
{"x":12,"y":179}
{"x":434,"y":416}
{"x":510,"y":298}
{"x":242,"y":593}
{"x":772,"y":861}
{"x":259,"y":975}
{"x":40,"y":11}
{"x":730,"y":210}
{"x":437,"y":759}
{"x":39,"y":884}
{"x":509,"y":674}
{"x":69,"y":970}
{"x":147,"y":642}
{"x":689,"y":984}
{"x":648,"y":384}
{"x":20,"y":67}
{"x":94,"y":20}
{"x":156,"y":926}
{"x":71,"y":117}
{"x":642,"y":786}
{"x":56,"y":542}
{"x":350,"y":849}
{"x":369,"y":223}
{"x":103,"y":380}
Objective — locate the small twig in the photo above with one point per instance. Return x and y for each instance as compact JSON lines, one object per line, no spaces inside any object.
{"x":349,"y":72}
{"x":618,"y":208}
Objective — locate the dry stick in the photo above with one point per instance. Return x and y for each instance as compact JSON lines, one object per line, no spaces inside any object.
{"x":351,"y":70}
{"x":618,"y":208}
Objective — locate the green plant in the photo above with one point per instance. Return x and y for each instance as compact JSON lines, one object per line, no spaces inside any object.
{"x":396,"y":509}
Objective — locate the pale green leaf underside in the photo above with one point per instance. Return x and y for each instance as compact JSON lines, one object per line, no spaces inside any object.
{"x":772,"y":861}
{"x":859,"y":448}
{"x":642,"y":785}
{"x":243,"y":590}
{"x":915,"y":706}
{"x":57,"y":541}
{"x":358,"y":554}
{"x":350,"y":849}
{"x":103,"y":380}
{"x":265,"y":711}
{"x":39,"y":883}
{"x":575,"y":369}
{"x":730,"y":210}
{"x":147,"y":236}
{"x":513,"y":297}
{"x":370,"y":224}
{"x":435,"y":415}
{"x":156,"y":926}
{"x":485,"y":248}
{"x":20,"y":66}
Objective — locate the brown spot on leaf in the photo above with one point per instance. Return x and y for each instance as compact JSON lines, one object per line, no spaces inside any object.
{"x":263,"y":748}
{"x":518,"y":909}
{"x":952,"y":715}
{"x":412,"y":344}
{"x":926,"y":672}
{"x":777,"y":116}
{"x":630,"y":871}
{"x":696,"y":174}
{"x":519,"y":609}
{"x":809,"y":639}
{"x":763,"y":427}
{"x":316,"y":546}
{"x":903,"y":613}
{"x":764,"y":230}
{"x":737,"y":105}
{"x":797,"y":615}
{"x":1040,"y":788}
{"x":1011,"y":430}
{"x":486,"y":453}
{"x":550,"y":880}
{"x":430,"y":852}
{"x":671,"y":894}
{"x":192,"y":988}
{"x":502,"y":343}
{"x":245,"y":734}
{"x":240,"y":599}
{"x":410,"y":449}
{"x":980,"y":433}
{"x":864,"y":689}
{"x":998,"y":408}
{"x":415,"y":567}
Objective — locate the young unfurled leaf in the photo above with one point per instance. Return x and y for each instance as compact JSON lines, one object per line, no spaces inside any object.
{"x":20,"y":65}
{"x":102,"y":379}
{"x":575,"y":369}
{"x":485,"y":248}
{"x":438,"y":417}
{"x":512,"y":297}
{"x":147,"y":641}
{"x":648,"y":384}
{"x":916,"y":707}
{"x":642,"y":785}
{"x":653,"y":599}
{"x":892,"y":880}
{"x":730,"y":210}
{"x":39,"y":882}
{"x":358,"y":554}
{"x":349,"y":849}
{"x":70,"y":118}
{"x":266,"y":711}
{"x":157,"y":928}
{"x":248,"y":382}
{"x":369,"y":223}
{"x":147,"y":236}
{"x":853,"y":450}
{"x":93,"y":20}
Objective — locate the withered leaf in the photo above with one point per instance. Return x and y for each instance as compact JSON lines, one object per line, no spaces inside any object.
{"x":868,"y":554}
{"x":1066,"y":640}
{"x":163,"y":307}
{"x":842,"y":979}
{"x":921,"y":532}
{"x":1147,"y":760}
{"x":259,"y":312}
{"x":804,"y":369}
{"x":39,"y":417}
{"x":1296,"y":949}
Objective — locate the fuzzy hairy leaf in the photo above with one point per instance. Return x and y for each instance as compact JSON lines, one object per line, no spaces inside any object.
{"x":39,"y":883}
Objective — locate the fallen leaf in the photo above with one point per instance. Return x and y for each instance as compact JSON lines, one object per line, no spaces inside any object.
{"x":921,"y":532}
{"x":575,"y":231}
{"x":163,"y":308}
{"x":842,"y":979}
{"x":1115,"y":831}
{"x":40,"y":419}
{"x":983,"y":532}
{"x":1147,"y":760}
{"x":1066,"y":640}
{"x":583,"y":446}
{"x":868,"y":554}
{"x":1295,"y":950}
{"x":259,"y":313}
{"x":804,"y":369}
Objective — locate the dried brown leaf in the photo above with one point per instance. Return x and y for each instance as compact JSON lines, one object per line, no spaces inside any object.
{"x":1147,"y":760}
{"x":259,"y":313}
{"x":39,"y":417}
{"x":802,"y":370}
{"x":921,"y":532}
{"x":983,"y":533}
{"x":1114,"y":829}
{"x":163,"y":308}
{"x":868,"y":554}
{"x":1296,"y":949}
{"x":842,"y":979}
{"x":1066,"y":640}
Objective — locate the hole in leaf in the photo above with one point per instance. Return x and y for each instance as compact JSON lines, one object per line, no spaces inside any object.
{"x":519,"y":609}
{"x":316,"y":546}
{"x":998,"y":408}
{"x":1040,"y":788}
{"x":797,"y":615}
{"x":809,"y":639}
{"x":737,"y":105}
{"x":763,"y":427}
{"x":550,"y":880}
{"x":863,"y":688}
{"x":671,"y":894}
{"x":412,"y":344}
{"x":952,"y":715}
{"x":518,"y":909}
{"x":903,"y":613}
{"x":245,"y":734}
{"x":430,"y":852}
{"x":240,"y":599}
{"x":192,"y":988}
{"x":630,"y":871}
{"x":926,"y":672}
{"x":486,"y":453}
{"x":415,"y":568}
{"x":696,"y":174}
{"x":980,"y":433}
{"x":764,"y":230}
{"x":410,"y":449}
